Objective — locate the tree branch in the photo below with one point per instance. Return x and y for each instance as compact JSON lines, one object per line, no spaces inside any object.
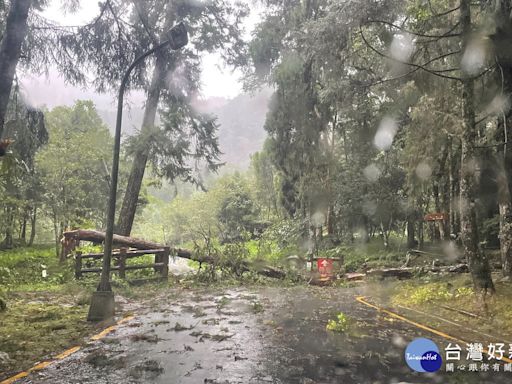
{"x":447,"y":34}
{"x":418,"y":66}
{"x":442,"y":13}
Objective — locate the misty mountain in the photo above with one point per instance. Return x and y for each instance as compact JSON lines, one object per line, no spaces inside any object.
{"x":241,"y":123}
{"x":240,"y":119}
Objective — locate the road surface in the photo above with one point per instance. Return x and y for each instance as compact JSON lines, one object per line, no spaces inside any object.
{"x":254,"y":335}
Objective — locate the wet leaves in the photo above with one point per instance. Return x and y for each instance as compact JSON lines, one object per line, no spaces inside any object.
{"x":151,"y":368}
{"x":257,"y":307}
{"x":100,"y":359}
{"x":179,"y":327}
{"x":160,"y":322}
{"x":148,"y":337}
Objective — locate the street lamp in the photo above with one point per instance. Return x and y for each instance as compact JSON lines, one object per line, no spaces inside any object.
{"x":102,"y":301}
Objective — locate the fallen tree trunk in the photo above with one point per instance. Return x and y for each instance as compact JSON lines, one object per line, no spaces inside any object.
{"x":71,"y":239}
{"x":406,"y":273}
{"x":244,"y":266}
{"x":99,"y":237}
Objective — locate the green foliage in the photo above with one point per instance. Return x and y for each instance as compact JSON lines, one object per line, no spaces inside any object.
{"x":490,"y":231}
{"x":237,"y":212}
{"x":73,"y":167}
{"x":20,"y":185}
{"x":339,"y":325}
{"x":431,"y":292}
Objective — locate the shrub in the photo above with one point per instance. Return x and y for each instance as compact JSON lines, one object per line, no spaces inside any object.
{"x":338,"y":325}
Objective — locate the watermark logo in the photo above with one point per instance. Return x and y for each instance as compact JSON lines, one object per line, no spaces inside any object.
{"x":422,"y":355}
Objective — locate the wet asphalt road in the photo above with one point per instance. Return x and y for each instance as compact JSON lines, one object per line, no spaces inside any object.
{"x":260,"y":335}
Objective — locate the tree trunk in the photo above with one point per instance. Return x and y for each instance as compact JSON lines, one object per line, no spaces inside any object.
{"x":505,"y":234}
{"x":8,"y":240}
{"x":23,"y":231}
{"x":411,"y":241}
{"x":477,"y":262}
{"x":56,"y":233}
{"x":33,"y":219}
{"x":502,"y":40}
{"x":131,"y":196}
{"x":331,"y":220}
{"x":421,"y":235}
{"x":10,"y":51}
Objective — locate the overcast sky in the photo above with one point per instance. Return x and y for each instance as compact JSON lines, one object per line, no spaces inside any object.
{"x":217,"y":80}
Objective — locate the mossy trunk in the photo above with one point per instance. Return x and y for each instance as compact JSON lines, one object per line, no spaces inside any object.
{"x":502,"y":40}
{"x":469,"y":177}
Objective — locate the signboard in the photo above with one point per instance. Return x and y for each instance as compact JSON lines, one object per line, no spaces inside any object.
{"x":437,"y":216}
{"x":325,"y":267}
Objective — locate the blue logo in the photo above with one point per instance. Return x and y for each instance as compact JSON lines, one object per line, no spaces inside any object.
{"x":422,"y":355}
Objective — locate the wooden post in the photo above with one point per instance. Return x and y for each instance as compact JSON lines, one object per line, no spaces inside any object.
{"x":78,"y":265}
{"x":165,"y":260}
{"x":122,"y":263}
{"x":158,"y":259}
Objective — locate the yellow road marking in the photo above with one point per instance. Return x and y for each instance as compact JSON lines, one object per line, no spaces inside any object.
{"x":67,"y":352}
{"x":362,"y":300}
{"x":103,"y":333}
{"x":64,"y":354}
{"x":40,"y":366}
{"x":10,"y":380}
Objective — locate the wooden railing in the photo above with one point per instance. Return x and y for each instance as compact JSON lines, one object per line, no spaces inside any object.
{"x":120,"y":258}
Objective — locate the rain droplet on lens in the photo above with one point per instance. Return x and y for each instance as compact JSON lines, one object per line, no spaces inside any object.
{"x":385,"y":133}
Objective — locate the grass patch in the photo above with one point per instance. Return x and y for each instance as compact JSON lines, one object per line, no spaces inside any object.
{"x":445,"y":295}
{"x":33,"y":268}
{"x":46,"y":311}
{"x":34,"y":331}
{"x":429,"y":290}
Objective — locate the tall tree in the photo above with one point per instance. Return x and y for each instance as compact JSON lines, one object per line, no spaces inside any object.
{"x":72,"y":168}
{"x":477,"y":261}
{"x":501,"y":39}
{"x":125,"y":29}
{"x":19,"y":183}
{"x":10,"y":50}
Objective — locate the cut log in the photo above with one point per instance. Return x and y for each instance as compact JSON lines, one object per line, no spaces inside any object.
{"x":459,"y":268}
{"x":352,"y":276}
{"x":401,"y":273}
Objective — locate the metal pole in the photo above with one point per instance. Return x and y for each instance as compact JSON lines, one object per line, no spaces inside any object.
{"x":102,"y":301}
{"x":111,"y":213}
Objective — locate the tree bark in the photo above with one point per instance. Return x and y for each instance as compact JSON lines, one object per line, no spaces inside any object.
{"x":505,"y":233}
{"x":33,"y":219}
{"x":477,"y":262}
{"x":131,"y":196}
{"x":10,"y":51}
{"x":99,"y":237}
{"x":8,"y":240}
{"x":411,"y":241}
{"x":23,"y":231}
{"x":502,"y":40}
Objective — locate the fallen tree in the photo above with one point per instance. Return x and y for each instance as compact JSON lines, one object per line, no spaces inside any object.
{"x":71,"y":239}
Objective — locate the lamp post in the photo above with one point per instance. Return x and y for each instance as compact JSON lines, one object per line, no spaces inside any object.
{"x":102,"y":301}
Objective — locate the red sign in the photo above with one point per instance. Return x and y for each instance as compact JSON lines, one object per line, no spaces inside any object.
{"x":325,"y":267}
